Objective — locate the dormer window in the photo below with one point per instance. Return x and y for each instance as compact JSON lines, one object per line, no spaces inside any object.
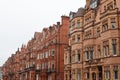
{"x":93,"y":4}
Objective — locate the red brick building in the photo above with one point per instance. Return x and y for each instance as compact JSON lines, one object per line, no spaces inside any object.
{"x":11,"y":67}
{"x":94,"y":49}
{"x":50,"y":60}
{"x":43,"y":56}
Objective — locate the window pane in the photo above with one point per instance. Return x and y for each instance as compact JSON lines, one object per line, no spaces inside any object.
{"x":91,"y":54}
{"x":87,"y":75}
{"x":114,"y":49}
{"x":113,"y":25}
{"x":116,"y":74}
{"x":78,"y":24}
{"x":79,"y":57}
{"x":99,"y":53}
{"x":87,"y":55}
{"x":78,"y":38}
{"x":79,"y":76}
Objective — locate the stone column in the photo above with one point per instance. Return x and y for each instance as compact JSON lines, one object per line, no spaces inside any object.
{"x":90,"y":73}
{"x":68,"y":75}
{"x":109,"y":23}
{"x":97,"y":75}
{"x":76,"y":74}
{"x":76,"y":56}
{"x":111,"y":73}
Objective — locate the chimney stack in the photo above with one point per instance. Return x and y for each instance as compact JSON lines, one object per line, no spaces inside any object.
{"x":87,"y":4}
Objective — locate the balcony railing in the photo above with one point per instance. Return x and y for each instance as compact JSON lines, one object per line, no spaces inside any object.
{"x":38,"y":70}
{"x":108,"y":12}
{"x":93,"y":61}
{"x":20,"y":71}
{"x":11,"y":73}
{"x":32,"y":67}
{"x":50,"y":70}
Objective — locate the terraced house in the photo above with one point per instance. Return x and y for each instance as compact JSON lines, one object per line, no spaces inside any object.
{"x":11,"y":67}
{"x":42,"y":57}
{"x":50,"y":60}
{"x":94,"y":42}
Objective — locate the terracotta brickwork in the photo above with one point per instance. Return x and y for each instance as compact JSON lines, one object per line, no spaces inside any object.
{"x":11,"y":67}
{"x":43,"y":56}
{"x":84,"y":46}
{"x":94,"y":42}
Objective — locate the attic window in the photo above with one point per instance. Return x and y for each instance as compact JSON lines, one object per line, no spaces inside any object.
{"x":93,"y":4}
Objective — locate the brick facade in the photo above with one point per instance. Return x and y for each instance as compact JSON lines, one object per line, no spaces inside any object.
{"x":94,"y":49}
{"x":11,"y":67}
{"x":43,"y":56}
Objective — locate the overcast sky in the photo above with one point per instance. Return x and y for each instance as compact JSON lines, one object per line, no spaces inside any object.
{"x":19,"y":19}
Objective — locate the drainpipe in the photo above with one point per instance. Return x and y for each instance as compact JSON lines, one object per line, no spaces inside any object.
{"x":118,"y":28}
{"x":58,"y":51}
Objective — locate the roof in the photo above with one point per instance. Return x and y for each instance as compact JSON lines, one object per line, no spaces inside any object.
{"x":91,"y":1}
{"x":80,"y":12}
